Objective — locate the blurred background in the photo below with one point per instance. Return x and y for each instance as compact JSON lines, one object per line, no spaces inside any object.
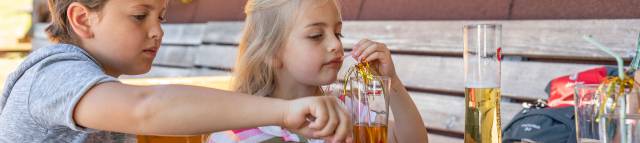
{"x":541,"y":38}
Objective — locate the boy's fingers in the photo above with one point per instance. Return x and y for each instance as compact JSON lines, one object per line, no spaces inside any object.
{"x":306,"y":132}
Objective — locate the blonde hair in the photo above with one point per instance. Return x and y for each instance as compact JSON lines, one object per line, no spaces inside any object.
{"x":265,"y":32}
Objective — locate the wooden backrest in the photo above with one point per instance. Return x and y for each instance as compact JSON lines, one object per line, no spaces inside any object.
{"x":428,"y":57}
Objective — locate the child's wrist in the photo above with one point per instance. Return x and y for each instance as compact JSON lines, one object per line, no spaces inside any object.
{"x":283,"y":112}
{"x":396,"y":84}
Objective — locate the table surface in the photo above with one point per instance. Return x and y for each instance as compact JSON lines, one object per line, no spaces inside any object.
{"x":19,"y":47}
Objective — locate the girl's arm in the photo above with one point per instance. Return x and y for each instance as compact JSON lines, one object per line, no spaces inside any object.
{"x":191,"y":110}
{"x":408,"y":126}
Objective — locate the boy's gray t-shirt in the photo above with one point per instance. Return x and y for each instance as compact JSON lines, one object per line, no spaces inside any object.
{"x":39,"y":98}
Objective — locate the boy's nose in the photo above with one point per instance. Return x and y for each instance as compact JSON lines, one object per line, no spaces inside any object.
{"x":156,"y":33}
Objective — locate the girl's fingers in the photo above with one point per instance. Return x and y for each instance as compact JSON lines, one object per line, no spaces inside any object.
{"x":369,"y":50}
{"x":344,"y":128}
{"x":334,"y":120}
{"x":349,"y":139}
{"x":359,"y":44}
{"x":322,"y":116}
{"x":361,"y":47}
{"x":379,"y":56}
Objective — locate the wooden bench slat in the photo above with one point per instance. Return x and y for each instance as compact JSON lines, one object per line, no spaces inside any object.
{"x":216,"y":56}
{"x":183,"y":34}
{"x":179,"y":56}
{"x":447,"y":112}
{"x":223,"y":32}
{"x":544,"y":39}
{"x":534,"y":38}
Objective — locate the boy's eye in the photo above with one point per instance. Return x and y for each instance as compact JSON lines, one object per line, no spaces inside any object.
{"x":162,"y":19}
{"x":339,"y":35}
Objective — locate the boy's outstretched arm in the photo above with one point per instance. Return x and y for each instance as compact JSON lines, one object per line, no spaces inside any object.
{"x":191,"y":110}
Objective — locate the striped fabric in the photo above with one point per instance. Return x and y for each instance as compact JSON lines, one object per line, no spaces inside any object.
{"x":266,"y":134}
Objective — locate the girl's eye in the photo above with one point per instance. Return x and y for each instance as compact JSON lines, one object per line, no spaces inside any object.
{"x":140,"y":17}
{"x":316,"y":36}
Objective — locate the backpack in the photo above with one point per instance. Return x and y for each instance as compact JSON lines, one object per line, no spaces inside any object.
{"x":541,"y":124}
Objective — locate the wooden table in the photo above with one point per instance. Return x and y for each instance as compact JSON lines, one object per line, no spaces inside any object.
{"x":219,"y":82}
{"x":20,"y":47}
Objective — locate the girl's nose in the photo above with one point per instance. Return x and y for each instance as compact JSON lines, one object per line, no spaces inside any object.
{"x":335,"y":45}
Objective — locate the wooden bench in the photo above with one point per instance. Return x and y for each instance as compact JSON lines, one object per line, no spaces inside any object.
{"x":428,"y":58}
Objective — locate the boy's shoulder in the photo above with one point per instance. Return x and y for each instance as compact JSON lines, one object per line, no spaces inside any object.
{"x":59,"y":51}
{"x":61,"y":57}
{"x":53,"y":65}
{"x":44,"y":90}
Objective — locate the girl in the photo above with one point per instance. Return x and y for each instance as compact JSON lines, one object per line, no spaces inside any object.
{"x":69,"y":92}
{"x":292,"y":47}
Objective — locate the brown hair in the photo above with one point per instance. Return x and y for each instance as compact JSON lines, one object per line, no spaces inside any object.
{"x":60,"y":31}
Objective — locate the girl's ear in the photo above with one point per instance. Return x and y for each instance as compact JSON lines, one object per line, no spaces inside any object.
{"x":79,"y":20}
{"x":275,"y":62}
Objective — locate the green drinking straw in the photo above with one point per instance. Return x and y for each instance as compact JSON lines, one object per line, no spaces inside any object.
{"x":608,"y":51}
{"x":636,"y":60}
{"x":620,"y":75}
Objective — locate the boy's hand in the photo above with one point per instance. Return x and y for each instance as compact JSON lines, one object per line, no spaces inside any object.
{"x":318,"y":117}
{"x":375,"y":53}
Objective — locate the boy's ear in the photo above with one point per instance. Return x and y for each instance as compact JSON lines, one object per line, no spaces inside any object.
{"x":78,"y":17}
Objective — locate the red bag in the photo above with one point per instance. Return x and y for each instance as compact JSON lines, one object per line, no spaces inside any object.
{"x":561,"y":89}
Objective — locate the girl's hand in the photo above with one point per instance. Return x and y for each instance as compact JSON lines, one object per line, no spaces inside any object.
{"x":377,"y":54}
{"x":318,"y":117}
